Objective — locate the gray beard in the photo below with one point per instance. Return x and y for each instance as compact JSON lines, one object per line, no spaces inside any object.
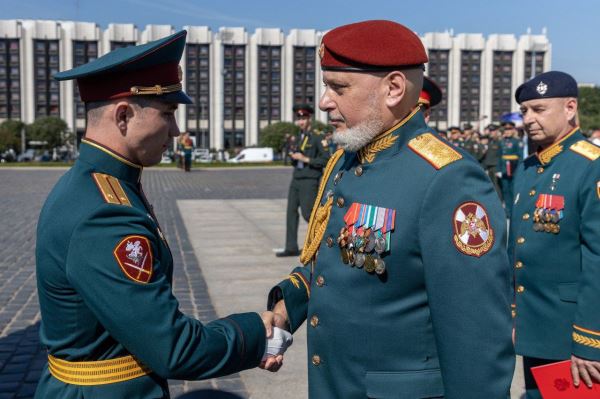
{"x":355,"y":138}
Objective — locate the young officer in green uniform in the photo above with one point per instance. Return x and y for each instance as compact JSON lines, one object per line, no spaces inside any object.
{"x":511,"y":150}
{"x":309,"y":156}
{"x":430,"y":96}
{"x":405,"y":282}
{"x":555,"y":235}
{"x":110,"y":323}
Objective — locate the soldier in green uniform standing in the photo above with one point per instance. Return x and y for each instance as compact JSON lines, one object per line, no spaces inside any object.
{"x":511,"y":150}
{"x":309,"y":156}
{"x":491,"y":154}
{"x":110,"y":323}
{"x":405,"y":280}
{"x":431,"y":95}
{"x":555,"y":235}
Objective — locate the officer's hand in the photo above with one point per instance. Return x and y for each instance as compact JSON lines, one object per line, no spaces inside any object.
{"x":499,"y":175}
{"x":587,"y":370}
{"x":270,"y":319}
{"x":298,"y":156}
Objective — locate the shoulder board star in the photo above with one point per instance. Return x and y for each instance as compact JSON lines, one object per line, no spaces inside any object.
{"x":586,"y":149}
{"x":433,"y":150}
{"x":111,"y":189}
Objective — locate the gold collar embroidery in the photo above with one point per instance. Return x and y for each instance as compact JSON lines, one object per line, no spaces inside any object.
{"x":546,"y":155}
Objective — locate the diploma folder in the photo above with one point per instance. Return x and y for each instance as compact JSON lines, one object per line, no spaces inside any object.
{"x":554,"y":381}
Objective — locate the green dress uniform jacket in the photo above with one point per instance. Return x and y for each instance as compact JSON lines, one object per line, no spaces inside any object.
{"x":104,"y":272}
{"x":555,"y":249}
{"x":315,"y":147}
{"x":435,"y":322}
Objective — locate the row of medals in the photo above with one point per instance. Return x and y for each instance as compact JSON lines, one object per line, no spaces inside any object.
{"x":546,"y":220}
{"x":355,"y":250}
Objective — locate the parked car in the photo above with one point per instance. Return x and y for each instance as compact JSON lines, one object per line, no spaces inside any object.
{"x":27,"y":156}
{"x":264,"y":154}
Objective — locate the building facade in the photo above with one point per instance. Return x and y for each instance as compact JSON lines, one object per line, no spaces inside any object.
{"x":242,"y":82}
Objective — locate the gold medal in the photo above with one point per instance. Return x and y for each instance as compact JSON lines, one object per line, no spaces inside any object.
{"x":370,"y":264}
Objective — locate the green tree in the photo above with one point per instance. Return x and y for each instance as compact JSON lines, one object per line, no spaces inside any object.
{"x":274,"y":135}
{"x":51,"y":130}
{"x":321,"y":127}
{"x":589,"y":108}
{"x":10,"y":134}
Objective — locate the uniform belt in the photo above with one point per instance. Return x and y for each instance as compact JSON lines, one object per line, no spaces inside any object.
{"x":98,"y":372}
{"x":510,"y":157}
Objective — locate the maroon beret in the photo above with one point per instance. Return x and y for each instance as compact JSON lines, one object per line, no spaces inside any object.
{"x":377,"y":45}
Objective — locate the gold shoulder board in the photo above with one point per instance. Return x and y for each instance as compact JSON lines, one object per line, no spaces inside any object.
{"x":433,"y":150}
{"x":586,"y":149}
{"x":111,"y":189}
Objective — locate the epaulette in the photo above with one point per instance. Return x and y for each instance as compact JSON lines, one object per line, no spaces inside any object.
{"x":111,"y":189}
{"x":433,"y":150}
{"x":586,"y":149}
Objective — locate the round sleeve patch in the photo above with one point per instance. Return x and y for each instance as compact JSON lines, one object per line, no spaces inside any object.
{"x":134,"y":256}
{"x":473,"y":235}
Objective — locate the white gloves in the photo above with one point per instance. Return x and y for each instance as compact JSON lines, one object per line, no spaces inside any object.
{"x":278,"y":344}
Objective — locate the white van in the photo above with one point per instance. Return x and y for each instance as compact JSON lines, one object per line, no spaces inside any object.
{"x":264,"y":154}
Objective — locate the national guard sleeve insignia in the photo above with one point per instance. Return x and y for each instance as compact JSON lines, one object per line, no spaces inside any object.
{"x":473,"y":234}
{"x":134,"y":256}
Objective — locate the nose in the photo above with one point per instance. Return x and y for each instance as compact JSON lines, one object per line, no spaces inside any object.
{"x":528,"y":118}
{"x":326,"y":104}
{"x":174,"y":130}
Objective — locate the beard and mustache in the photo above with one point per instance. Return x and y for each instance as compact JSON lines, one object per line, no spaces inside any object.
{"x":356,"y":137}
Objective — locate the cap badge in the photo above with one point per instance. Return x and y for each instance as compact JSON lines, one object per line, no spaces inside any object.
{"x":542,"y":88}
{"x":321,"y":51}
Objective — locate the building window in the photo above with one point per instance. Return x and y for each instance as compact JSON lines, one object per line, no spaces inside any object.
{"x":470,"y":88}
{"x":83,"y":52}
{"x":501,"y":83}
{"x":438,"y":72}
{"x":304,"y":75}
{"x":534,"y":61}
{"x":269,"y":73}
{"x":120,"y":44}
{"x":197,"y":86}
{"x":10,"y":79}
{"x":234,"y":89}
{"x":45,"y":66}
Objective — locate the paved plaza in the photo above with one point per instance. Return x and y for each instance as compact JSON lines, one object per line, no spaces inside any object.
{"x":222,"y":226}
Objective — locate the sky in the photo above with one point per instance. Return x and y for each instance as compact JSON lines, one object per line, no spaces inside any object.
{"x":573,"y":26}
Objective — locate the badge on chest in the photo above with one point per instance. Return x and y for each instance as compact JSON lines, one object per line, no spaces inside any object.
{"x":365,"y":237}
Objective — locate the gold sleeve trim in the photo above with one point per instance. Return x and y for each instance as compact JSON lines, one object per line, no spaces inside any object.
{"x":99,"y":372}
{"x":433,"y":150}
{"x":585,"y":330}
{"x":586,"y":149}
{"x":585,"y":341}
{"x":319,"y":215}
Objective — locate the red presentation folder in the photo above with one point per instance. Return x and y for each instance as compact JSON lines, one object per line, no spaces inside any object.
{"x":555,"y":382}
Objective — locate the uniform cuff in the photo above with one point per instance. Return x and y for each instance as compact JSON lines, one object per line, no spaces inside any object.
{"x":251,"y":347}
{"x":295,"y":292}
{"x":586,"y":343}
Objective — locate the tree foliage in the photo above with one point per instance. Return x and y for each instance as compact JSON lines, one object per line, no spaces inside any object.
{"x":10,"y":134}
{"x":274,"y":135}
{"x":50,"y":130}
{"x":589,"y":108}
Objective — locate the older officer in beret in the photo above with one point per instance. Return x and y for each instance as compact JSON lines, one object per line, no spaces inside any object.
{"x":555,"y":235}
{"x":110,"y":323}
{"x":405,"y":281}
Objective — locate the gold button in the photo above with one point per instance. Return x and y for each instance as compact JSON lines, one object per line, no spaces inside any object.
{"x":520,"y":289}
{"x":314,"y":321}
{"x":520,"y":240}
{"x":525,"y":216}
{"x":518,"y":265}
{"x":316,"y":360}
{"x":358,"y":171}
{"x":320,"y":281}
{"x":513,"y":313}
{"x":540,"y":169}
{"x":329,"y":241}
{"x":340,"y":202}
{"x":532,"y":193}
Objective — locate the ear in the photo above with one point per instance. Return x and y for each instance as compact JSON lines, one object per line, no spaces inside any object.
{"x":571,"y":109}
{"x":396,"y":88}
{"x":122,"y":113}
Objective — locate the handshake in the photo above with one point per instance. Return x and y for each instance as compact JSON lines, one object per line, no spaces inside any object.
{"x":278,"y":340}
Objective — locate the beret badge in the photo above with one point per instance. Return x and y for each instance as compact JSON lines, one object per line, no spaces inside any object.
{"x":542,"y":88}
{"x":321,"y":51}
